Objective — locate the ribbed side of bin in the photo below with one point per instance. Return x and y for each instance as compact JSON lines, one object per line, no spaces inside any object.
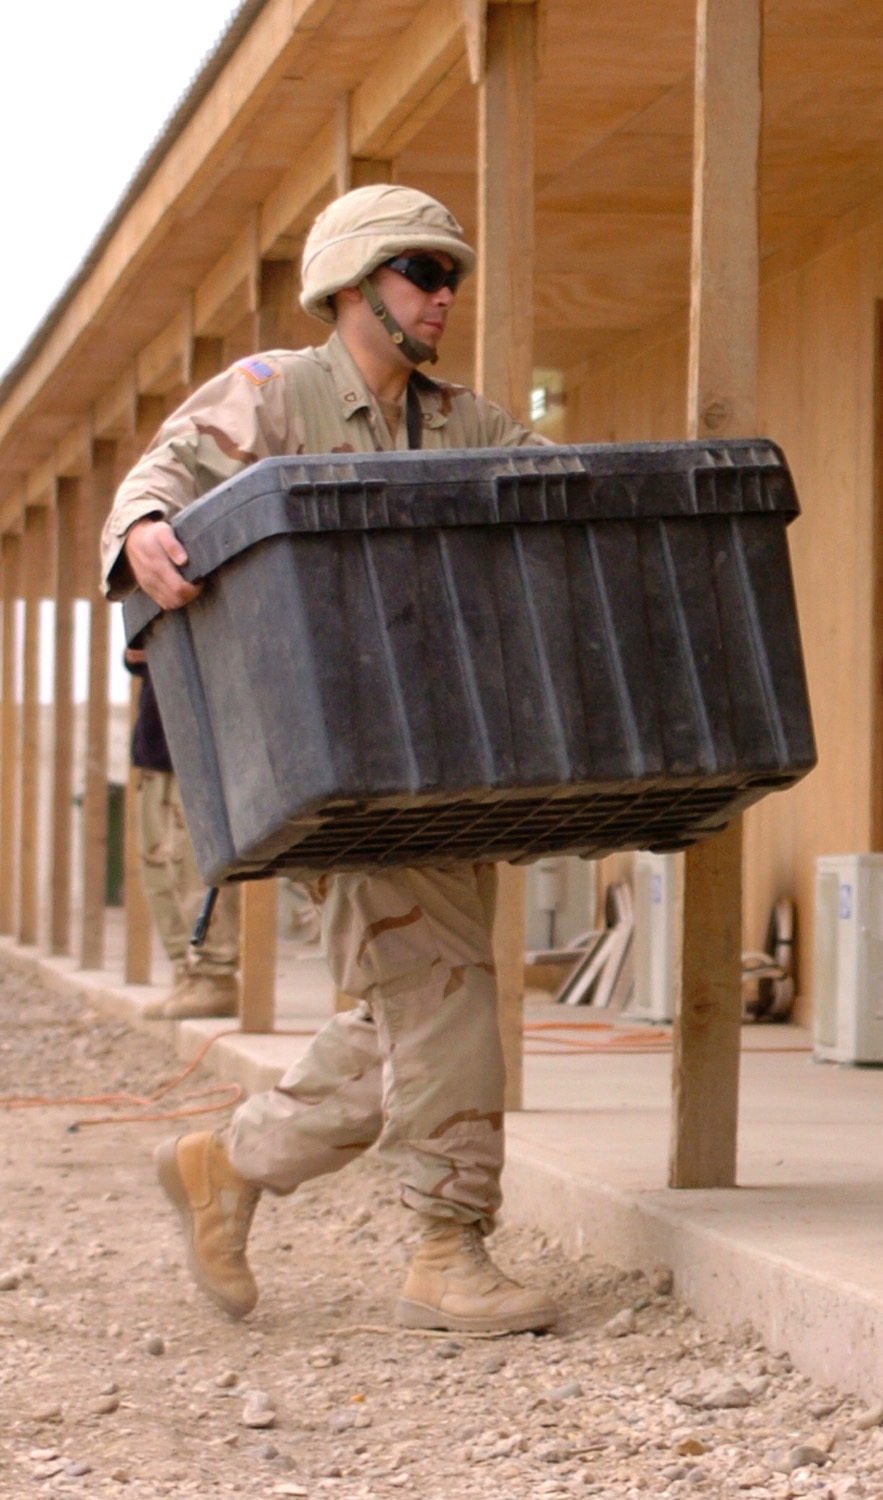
{"x":400,"y":671}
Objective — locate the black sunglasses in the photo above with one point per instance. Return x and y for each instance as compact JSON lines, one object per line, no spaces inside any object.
{"x":425,"y":272}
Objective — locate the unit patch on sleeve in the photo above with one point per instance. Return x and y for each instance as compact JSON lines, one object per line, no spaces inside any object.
{"x":257,"y":371}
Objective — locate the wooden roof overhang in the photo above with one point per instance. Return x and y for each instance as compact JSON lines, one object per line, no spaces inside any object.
{"x":299,"y":88}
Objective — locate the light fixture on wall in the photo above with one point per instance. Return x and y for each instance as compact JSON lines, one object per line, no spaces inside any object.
{"x":539,"y":403}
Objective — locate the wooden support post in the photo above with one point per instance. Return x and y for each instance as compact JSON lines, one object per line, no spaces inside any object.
{"x":257,"y":959}
{"x":722,"y":400}
{"x":343,"y":161}
{"x":206,"y":360}
{"x":11,"y":548}
{"x":354,"y":171}
{"x":64,"y":526}
{"x":149,"y":413}
{"x":275,"y":316}
{"x":504,"y":365}
{"x":34,"y":564}
{"x":139,"y":923}
{"x":366,"y":170}
{"x":504,"y":356}
{"x":99,"y":495}
{"x":278,"y":302}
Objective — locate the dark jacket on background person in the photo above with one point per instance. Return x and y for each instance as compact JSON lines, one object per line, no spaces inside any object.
{"x":150,"y":750}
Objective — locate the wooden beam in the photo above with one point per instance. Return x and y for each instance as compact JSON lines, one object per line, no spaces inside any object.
{"x":206,"y":360}
{"x":343,"y":157}
{"x":139,"y":924}
{"x":99,"y":495}
{"x":504,"y":355}
{"x":113,"y":416}
{"x":65,"y":517}
{"x":34,"y":567}
{"x":10,"y":552}
{"x":721,"y":402}
{"x":355,"y":171}
{"x":504,"y":369}
{"x":419,"y":73}
{"x":73,"y":452}
{"x":162,"y":364}
{"x":368,"y":169}
{"x":417,"y":76}
{"x":274,"y":329}
{"x":877,"y":611}
{"x":149,"y":413}
{"x":474,"y":25}
{"x":12,"y":509}
{"x":282,"y":34}
{"x":227,"y":293}
{"x":722,"y":377}
{"x":39,"y":489}
{"x":305,"y":188}
{"x":257,"y":956}
{"x":277,"y":305}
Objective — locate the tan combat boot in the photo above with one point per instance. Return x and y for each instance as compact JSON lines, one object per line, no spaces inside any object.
{"x":452,"y":1283}
{"x":196,"y":997}
{"x":216,"y":1206}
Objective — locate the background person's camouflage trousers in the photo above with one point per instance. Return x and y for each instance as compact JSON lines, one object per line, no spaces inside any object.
{"x":173,"y":885}
{"x":417,"y":1065}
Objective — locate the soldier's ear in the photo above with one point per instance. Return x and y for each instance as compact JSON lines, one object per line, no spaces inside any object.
{"x":347,"y":294}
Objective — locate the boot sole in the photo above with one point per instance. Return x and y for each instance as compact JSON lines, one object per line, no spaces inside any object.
{"x":166,"y":1158}
{"x":190,"y":1013}
{"x":419,"y":1315}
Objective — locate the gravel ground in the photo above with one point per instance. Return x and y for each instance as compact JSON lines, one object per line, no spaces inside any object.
{"x":117,"y":1378}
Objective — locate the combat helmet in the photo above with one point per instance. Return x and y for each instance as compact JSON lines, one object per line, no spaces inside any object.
{"x":359,"y":232}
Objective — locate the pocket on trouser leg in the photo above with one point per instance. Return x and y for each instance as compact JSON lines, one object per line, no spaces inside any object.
{"x":443,"y":1082}
{"x":388,"y":931}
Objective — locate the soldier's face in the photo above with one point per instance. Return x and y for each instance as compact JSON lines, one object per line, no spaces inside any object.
{"x":421,"y":314}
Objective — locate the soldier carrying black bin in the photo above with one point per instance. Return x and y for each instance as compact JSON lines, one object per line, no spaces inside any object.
{"x":417,"y":1066}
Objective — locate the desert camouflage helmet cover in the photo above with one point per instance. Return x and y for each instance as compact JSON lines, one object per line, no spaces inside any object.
{"x":358,"y":232}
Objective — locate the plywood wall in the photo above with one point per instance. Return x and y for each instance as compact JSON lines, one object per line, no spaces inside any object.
{"x":817,"y":400}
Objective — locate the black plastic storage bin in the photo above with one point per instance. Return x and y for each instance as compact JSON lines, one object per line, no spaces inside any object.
{"x":414,"y":658}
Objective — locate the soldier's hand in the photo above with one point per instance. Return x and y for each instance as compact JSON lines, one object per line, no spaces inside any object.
{"x":154,"y":555}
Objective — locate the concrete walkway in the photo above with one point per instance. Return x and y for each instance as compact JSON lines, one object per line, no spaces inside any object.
{"x":795,"y":1249}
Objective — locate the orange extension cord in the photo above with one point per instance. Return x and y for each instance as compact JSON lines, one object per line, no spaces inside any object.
{"x":603,"y":1038}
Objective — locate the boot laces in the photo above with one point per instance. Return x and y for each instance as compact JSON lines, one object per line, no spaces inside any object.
{"x":473,"y":1248}
{"x":472,"y":1242}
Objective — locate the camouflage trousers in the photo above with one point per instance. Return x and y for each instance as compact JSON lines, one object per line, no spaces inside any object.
{"x":416,"y":1067}
{"x":173,"y":885}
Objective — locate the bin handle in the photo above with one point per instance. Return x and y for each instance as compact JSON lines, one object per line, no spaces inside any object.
{"x":201,"y":925}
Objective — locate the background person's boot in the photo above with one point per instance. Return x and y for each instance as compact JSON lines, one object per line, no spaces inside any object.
{"x":216,"y":1207}
{"x":452,"y":1283}
{"x":198,"y":996}
{"x":154,"y":1008}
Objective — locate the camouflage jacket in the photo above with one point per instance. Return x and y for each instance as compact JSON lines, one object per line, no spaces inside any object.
{"x":288,"y":401}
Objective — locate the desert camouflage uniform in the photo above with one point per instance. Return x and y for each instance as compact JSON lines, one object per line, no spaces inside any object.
{"x":174,"y":888}
{"x":418,"y":1064}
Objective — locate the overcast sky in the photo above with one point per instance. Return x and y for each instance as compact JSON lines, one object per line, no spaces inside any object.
{"x":85,"y":88}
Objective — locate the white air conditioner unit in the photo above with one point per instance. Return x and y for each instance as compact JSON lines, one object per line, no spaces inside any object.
{"x":848,"y":968}
{"x":655,"y":936}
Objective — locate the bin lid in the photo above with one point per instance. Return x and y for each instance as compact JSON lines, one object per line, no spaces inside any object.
{"x":351,"y":492}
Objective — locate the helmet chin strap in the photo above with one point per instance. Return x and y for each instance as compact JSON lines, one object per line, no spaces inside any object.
{"x":415,"y":351}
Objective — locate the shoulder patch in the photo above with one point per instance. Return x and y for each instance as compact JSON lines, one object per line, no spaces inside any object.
{"x":257,"y":371}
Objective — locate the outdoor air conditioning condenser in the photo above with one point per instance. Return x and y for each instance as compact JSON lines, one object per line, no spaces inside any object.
{"x":655,"y":936}
{"x":848,"y":998}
